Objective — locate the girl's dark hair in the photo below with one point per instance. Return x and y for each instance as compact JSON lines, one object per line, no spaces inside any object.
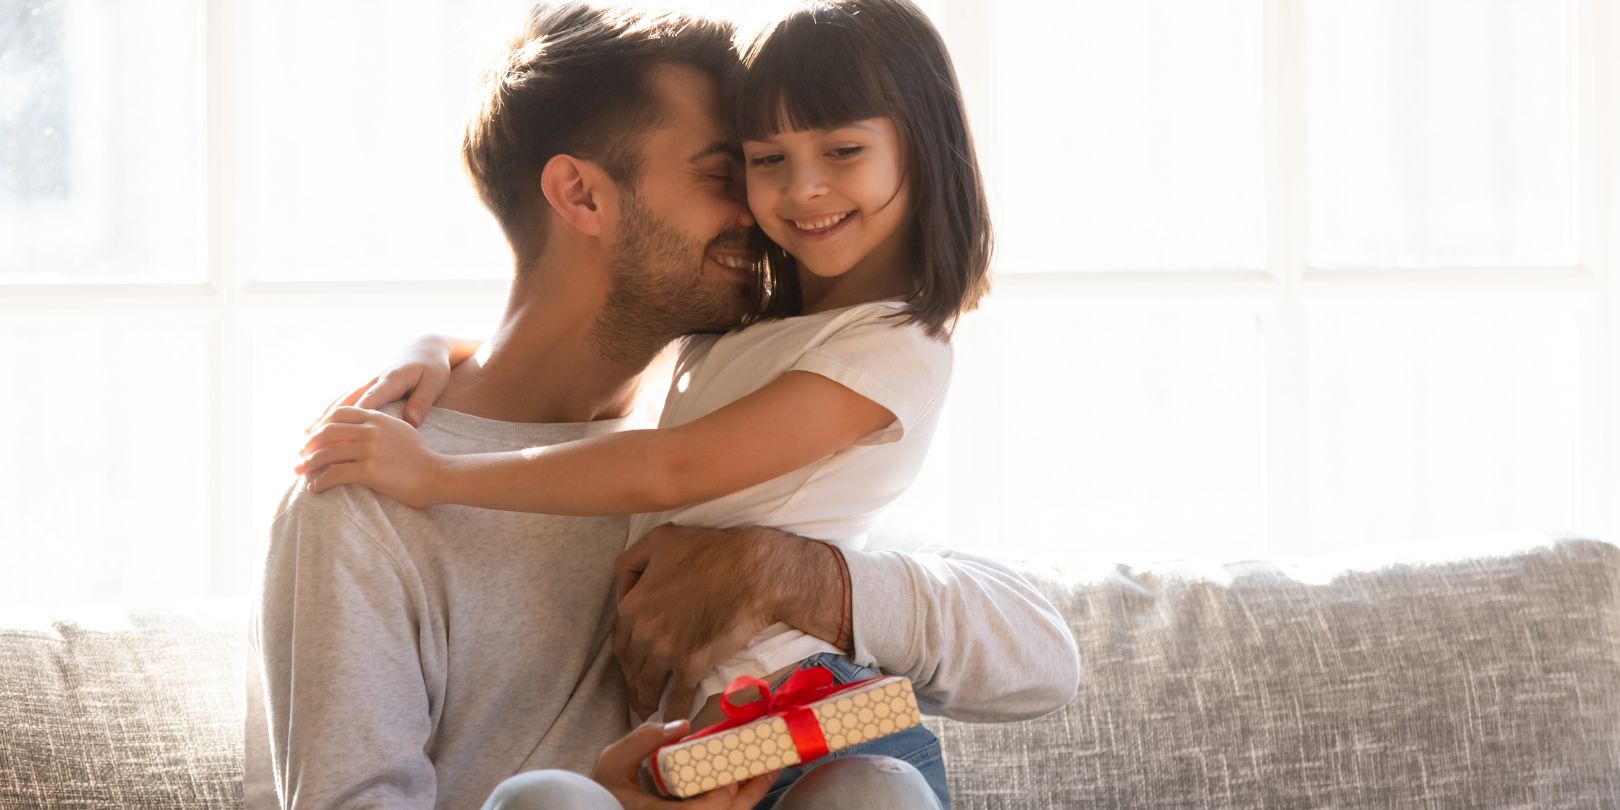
{"x":834,"y":62}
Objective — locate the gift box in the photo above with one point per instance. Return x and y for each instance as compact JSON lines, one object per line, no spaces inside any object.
{"x":807,"y":717}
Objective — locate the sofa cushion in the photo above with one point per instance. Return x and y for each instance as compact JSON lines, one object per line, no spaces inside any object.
{"x":1486,"y":682}
{"x":115,"y":709}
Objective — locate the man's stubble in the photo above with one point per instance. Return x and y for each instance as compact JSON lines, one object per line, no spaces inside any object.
{"x":660,"y":289}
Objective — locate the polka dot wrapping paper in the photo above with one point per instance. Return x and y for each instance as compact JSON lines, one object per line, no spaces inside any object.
{"x":704,"y":762}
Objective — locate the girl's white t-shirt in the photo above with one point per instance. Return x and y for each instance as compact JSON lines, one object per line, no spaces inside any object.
{"x":873,"y":350}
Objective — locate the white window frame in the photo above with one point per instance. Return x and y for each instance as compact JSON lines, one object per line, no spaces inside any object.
{"x":1279,"y":290}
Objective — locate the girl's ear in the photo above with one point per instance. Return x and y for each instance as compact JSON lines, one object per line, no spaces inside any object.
{"x":577,"y":190}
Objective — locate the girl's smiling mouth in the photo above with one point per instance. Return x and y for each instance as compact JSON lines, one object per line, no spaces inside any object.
{"x":820,"y":225}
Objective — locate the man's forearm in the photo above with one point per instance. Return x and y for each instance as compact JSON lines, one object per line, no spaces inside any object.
{"x":810,"y":587}
{"x":977,"y":640}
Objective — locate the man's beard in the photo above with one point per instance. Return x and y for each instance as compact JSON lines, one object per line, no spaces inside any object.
{"x":661,"y":290}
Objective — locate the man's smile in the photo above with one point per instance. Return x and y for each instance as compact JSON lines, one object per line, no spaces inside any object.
{"x":735,"y":260}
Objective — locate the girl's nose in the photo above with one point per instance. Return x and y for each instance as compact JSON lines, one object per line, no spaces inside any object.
{"x":806,"y":184}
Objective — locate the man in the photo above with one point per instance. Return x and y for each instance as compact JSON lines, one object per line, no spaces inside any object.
{"x":418,"y":658}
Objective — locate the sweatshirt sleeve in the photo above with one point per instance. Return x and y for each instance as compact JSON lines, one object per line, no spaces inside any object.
{"x":339,"y":633}
{"x":977,"y":640}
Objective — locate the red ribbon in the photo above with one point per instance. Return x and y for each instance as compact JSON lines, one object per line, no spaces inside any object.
{"x":791,"y":701}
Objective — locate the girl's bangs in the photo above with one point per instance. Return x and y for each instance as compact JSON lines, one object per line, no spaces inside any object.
{"x":805,"y":74}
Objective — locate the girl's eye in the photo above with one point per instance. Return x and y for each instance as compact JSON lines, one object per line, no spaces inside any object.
{"x":845,"y":151}
{"x":764,"y":161}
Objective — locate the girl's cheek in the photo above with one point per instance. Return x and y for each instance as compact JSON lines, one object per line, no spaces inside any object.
{"x":760,"y":202}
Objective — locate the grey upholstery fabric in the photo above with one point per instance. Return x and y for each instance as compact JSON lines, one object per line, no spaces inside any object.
{"x":1487,"y":683}
{"x":113,"y":710}
{"x":1492,"y":682}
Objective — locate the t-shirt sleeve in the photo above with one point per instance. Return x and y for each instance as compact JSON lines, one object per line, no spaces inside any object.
{"x":691,"y":349}
{"x":888,"y":360}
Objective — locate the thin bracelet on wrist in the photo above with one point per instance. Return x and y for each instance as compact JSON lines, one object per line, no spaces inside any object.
{"x":843,"y":602}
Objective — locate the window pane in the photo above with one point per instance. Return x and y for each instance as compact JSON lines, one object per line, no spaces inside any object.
{"x":104,"y":489}
{"x":1103,"y":427}
{"x":1441,"y":132}
{"x":350,"y":124}
{"x":1433,"y":420}
{"x":102,"y":170}
{"x":351,"y":163}
{"x":1126,"y":135}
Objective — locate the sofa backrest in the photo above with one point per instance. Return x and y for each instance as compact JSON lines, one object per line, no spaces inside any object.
{"x":1485,"y":682}
{"x":119,"y":709}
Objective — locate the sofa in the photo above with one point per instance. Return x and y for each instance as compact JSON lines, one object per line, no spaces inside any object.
{"x":1391,"y":678}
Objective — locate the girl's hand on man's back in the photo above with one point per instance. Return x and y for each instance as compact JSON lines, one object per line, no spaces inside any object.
{"x":422,"y":372}
{"x":357,"y":446}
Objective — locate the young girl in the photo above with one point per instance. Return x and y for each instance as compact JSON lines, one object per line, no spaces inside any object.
{"x":813,"y":419}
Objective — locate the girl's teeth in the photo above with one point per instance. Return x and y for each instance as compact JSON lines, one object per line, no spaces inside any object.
{"x":819,"y":224}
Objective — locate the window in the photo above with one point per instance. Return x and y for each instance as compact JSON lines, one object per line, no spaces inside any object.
{"x":1275,"y":276}
{"x":102,"y":117}
{"x":1283,"y":277}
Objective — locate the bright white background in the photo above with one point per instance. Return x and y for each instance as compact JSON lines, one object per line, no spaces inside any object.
{"x":1275,"y":276}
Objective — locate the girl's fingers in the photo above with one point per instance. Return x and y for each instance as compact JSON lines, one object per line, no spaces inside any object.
{"x":387,"y":388}
{"x":328,"y":456}
{"x":346,"y":399}
{"x":375,"y":397}
{"x":353,"y":396}
{"x":335,"y":475}
{"x":350,"y":415}
{"x":426,"y":393}
{"x":333,"y":433}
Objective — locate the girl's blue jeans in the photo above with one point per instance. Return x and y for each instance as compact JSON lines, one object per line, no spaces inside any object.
{"x":916,"y":746}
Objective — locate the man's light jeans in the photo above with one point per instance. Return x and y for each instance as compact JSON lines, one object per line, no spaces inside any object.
{"x":849,"y":782}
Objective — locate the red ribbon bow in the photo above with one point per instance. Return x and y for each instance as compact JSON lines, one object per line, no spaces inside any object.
{"x":791,"y":701}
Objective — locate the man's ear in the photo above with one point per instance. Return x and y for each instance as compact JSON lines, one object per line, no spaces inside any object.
{"x":577,"y":190}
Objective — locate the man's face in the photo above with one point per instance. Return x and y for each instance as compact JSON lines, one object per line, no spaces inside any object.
{"x":683,"y":254}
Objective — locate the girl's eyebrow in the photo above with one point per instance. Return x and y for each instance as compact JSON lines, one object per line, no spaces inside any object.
{"x":864,"y":126}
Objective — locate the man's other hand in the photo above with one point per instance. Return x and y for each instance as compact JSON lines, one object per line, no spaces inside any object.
{"x":618,"y":770}
{"x":690,"y":598}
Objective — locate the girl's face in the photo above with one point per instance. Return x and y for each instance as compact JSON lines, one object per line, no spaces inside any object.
{"x":834,"y":199}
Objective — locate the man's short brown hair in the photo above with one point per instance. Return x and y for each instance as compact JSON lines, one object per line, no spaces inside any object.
{"x":577,"y":82}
